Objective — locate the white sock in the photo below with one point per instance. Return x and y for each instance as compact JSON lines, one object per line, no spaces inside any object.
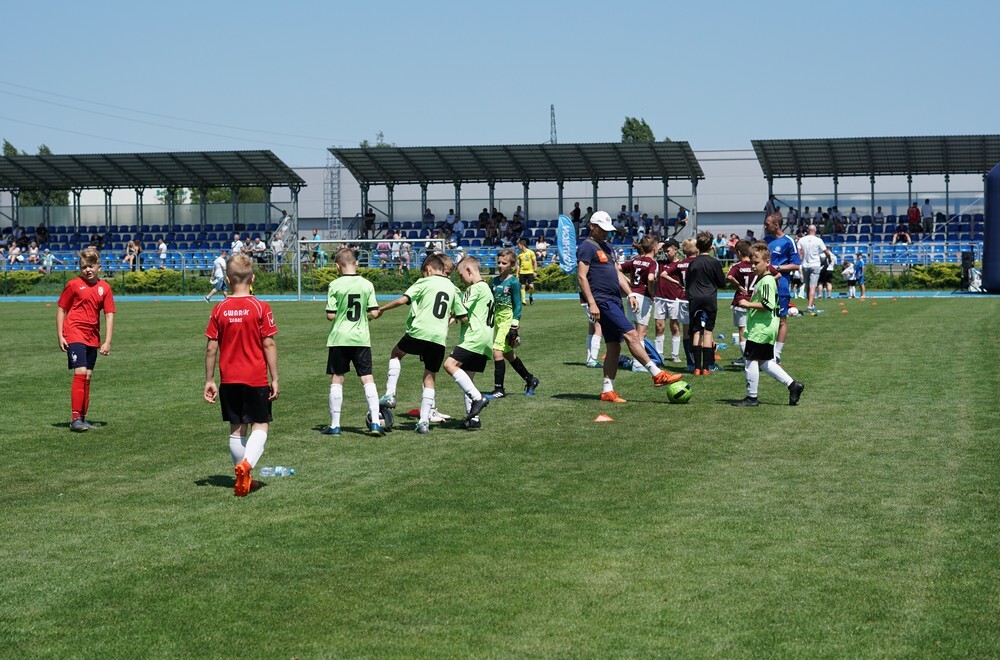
{"x":743,"y":347}
{"x":609,"y":385}
{"x":658,"y":343}
{"x":426,"y":403}
{"x":463,"y":381}
{"x":395,"y":366}
{"x":675,"y":345}
{"x":595,"y":346}
{"x":237,"y":447}
{"x":753,"y":378}
{"x":336,"y":403}
{"x":255,"y":446}
{"x":371,"y":397}
{"x":468,"y":405}
{"x":652,"y":368}
{"x":778,"y":346}
{"x":774,"y":370}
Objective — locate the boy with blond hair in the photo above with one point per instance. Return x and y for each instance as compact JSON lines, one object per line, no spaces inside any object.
{"x":350,"y":303}
{"x":473,"y":350}
{"x":762,"y":331}
{"x":78,"y":326}
{"x":241,"y":334}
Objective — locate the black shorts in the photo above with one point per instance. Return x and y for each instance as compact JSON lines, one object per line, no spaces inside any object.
{"x":755,"y":351}
{"x":474,"y":362}
{"x":825,"y":276}
{"x":243,"y":404}
{"x":340,"y":358}
{"x":527,"y":279}
{"x":701,"y":315}
{"x":80,"y":355}
{"x":431,"y":354}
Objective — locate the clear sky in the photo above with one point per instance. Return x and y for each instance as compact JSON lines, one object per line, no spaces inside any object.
{"x":297,"y":77}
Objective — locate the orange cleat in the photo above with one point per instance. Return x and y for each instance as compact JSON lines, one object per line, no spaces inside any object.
{"x":665,"y":378}
{"x":612,"y":397}
{"x":697,"y":372}
{"x":244,"y":481}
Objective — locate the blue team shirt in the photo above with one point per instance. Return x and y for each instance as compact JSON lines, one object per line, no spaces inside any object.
{"x":783,"y":251}
{"x":603,"y":275}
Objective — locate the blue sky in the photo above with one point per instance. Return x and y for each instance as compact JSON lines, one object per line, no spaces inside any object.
{"x":297,"y":77}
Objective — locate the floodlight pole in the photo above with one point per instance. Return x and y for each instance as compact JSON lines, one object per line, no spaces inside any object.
{"x":76,"y":208}
{"x":15,"y":206}
{"x":836,"y":185}
{"x":107,"y":209}
{"x":630,"y":185}
{"x":666,"y":201}
{"x":392,"y":211}
{"x":798,"y":194}
{"x":594,"y":182}
{"x":559,"y":185}
{"x":525,"y":184}
{"x":423,"y":201}
{"x":458,"y":199}
{"x":493,"y":192}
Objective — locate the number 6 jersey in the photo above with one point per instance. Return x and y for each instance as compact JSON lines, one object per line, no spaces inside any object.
{"x":433,"y":300}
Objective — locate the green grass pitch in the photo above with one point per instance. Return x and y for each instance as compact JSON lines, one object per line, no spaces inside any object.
{"x":863,"y":522}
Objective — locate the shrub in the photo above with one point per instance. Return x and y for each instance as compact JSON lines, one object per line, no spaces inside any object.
{"x":552,"y":278}
{"x":19,"y":282}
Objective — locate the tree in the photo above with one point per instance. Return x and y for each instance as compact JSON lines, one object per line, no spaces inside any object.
{"x":636,"y":130}
{"x":36,"y":197}
{"x":224,"y":195}
{"x":379,"y":142}
{"x":179,"y":196}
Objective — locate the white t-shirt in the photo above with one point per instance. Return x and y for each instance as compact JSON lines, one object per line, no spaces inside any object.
{"x":162,"y":247}
{"x":237,"y":246}
{"x":811,"y":247}
{"x":926,"y":211}
{"x":218,"y":269}
{"x":278,"y":246}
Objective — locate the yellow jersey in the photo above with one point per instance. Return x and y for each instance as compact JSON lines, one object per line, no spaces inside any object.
{"x":526,"y":262}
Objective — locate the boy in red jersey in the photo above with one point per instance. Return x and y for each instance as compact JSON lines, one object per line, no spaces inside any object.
{"x":241,"y":332}
{"x":78,"y":324}
{"x":742,"y":276}
{"x":640,"y":271}
{"x":675,"y":273}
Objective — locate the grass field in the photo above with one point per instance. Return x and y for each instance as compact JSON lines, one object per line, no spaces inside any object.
{"x":862,"y":522}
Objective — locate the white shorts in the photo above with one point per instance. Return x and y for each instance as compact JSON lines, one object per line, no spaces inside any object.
{"x":660,"y":309}
{"x":642,"y":316}
{"x":678,"y":310}
{"x":740,"y":317}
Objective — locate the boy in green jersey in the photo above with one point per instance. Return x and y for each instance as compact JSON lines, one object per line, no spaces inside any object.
{"x":762,"y":331}
{"x":507,"y":294}
{"x":474,"y":342}
{"x":350,"y":303}
{"x":432,"y":299}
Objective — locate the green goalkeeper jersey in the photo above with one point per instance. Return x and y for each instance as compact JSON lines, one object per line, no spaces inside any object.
{"x":350,"y":297}
{"x":477,"y":333}
{"x":762,"y":324}
{"x":507,"y":294}
{"x":432,"y":301}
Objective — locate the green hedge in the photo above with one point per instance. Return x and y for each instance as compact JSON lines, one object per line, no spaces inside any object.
{"x":550,"y":279}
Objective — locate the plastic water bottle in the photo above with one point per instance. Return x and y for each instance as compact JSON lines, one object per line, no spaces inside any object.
{"x":277,"y":471}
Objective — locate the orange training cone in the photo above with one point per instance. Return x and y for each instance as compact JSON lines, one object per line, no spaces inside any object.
{"x":843,"y":311}
{"x":603,"y":418}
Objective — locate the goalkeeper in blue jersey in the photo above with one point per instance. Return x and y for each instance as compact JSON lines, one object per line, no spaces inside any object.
{"x":507,"y":294}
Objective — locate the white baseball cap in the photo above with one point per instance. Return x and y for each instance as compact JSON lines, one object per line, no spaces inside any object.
{"x":602,"y":220}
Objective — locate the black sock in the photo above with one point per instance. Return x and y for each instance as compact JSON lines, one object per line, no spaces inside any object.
{"x":499,"y":371}
{"x":688,"y":351}
{"x":519,"y":368}
{"x":707,"y":356}
{"x":696,"y":354}
{"x":711,"y":355}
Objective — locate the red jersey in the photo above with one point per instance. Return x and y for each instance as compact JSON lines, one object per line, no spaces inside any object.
{"x":241,"y":324}
{"x":83,"y":303}
{"x":637,"y":270}
{"x":678,"y":271}
{"x":743,"y":272}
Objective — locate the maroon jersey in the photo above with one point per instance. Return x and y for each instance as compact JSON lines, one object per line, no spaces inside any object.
{"x":637,"y":271}
{"x":241,"y":324}
{"x":83,"y":303}
{"x":678,"y":271}
{"x":743,"y":272}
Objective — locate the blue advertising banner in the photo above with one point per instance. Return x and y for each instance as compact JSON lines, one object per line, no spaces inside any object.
{"x":566,"y":244}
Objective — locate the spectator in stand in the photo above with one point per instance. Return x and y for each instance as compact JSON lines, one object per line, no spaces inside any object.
{"x":484,"y":219}
{"x":278,"y":250}
{"x":48,"y":259}
{"x":576,"y":215}
{"x":32,"y":257}
{"x":541,"y":249}
{"x":237,"y":246}
{"x":681,"y":221}
{"x":731,"y":244}
{"x":17,"y":233}
{"x":901,"y":236}
{"x":622,"y":219}
{"x":806,"y":216}
{"x":913,"y":218}
{"x":656,"y":227}
{"x":503,"y":229}
{"x":879,"y":217}
{"x":161,"y":249}
{"x":636,"y":216}
{"x":384,"y":250}
{"x":405,"y":255}
{"x":427,"y":222}
{"x":259,"y":250}
{"x":368,"y":229}
{"x":516,"y":226}
{"x":492,"y":236}
{"x":97,"y":241}
{"x":836,"y":219}
{"x":749,"y":236}
{"x":853,"y":218}
{"x":41,"y":234}
{"x":927,"y":216}
{"x":770,"y":206}
{"x":457,"y":231}
{"x":520,"y":214}
{"x":793,"y":218}
{"x":449,"y":222}
{"x":14,"y":254}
